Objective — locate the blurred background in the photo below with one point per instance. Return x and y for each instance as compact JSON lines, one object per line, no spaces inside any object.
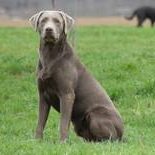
{"x":101,"y":11}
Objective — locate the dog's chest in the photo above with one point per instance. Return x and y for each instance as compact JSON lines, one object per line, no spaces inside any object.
{"x":50,"y":86}
{"x":50,"y":93}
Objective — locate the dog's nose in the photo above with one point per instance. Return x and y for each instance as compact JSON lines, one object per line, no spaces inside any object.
{"x":48,"y":29}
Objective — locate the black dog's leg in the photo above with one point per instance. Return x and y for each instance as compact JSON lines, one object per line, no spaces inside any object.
{"x":140,"y":21}
{"x":152,"y":22}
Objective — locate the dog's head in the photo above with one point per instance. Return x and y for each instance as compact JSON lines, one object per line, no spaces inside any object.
{"x":51,"y":24}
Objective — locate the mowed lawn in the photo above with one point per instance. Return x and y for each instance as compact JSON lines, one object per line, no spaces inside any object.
{"x":122,"y":59}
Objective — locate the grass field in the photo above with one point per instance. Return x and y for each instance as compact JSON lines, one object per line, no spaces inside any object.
{"x":123,"y":61}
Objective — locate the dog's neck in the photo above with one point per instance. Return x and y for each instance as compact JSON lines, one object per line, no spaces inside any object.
{"x":50,"y":52}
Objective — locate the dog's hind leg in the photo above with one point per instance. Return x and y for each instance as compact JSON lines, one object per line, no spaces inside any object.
{"x":140,"y":19}
{"x":104,"y":127}
{"x":152,"y":22}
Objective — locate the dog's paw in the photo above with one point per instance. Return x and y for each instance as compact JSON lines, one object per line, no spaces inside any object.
{"x":39,"y":136}
{"x":63,"y":141}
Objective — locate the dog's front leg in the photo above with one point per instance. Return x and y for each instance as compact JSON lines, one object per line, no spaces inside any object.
{"x":67,"y":101}
{"x":44,"y":109}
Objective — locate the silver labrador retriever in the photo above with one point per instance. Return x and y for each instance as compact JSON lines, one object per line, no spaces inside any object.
{"x":65,"y":84}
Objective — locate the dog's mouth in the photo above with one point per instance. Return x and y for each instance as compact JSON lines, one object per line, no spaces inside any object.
{"x":50,"y":38}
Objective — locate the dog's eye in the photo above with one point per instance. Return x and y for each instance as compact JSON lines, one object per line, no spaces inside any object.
{"x":44,"y":20}
{"x":56,"y":20}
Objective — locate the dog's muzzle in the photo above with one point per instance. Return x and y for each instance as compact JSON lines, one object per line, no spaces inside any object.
{"x":49,"y":35}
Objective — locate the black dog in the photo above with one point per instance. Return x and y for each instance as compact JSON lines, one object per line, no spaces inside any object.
{"x":142,"y":14}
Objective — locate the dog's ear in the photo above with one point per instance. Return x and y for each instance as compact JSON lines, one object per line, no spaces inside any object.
{"x":68,"y":21}
{"x":34,"y":20}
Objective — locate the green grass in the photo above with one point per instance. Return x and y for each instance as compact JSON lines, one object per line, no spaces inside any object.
{"x":121,"y":58}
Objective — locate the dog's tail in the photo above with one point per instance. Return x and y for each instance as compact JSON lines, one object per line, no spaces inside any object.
{"x":132,"y":16}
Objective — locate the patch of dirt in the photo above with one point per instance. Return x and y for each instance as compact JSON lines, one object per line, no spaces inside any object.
{"x":79,"y":21}
{"x":104,"y":21}
{"x":6,"y":22}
